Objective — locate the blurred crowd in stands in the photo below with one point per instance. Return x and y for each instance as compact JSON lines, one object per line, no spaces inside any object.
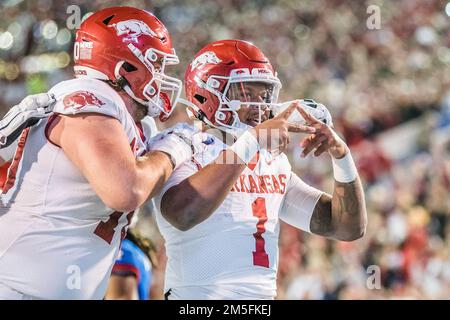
{"x":388,"y":90}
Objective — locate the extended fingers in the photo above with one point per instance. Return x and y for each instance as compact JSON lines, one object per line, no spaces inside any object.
{"x":322,"y":148}
{"x":312,"y":142}
{"x":289,"y":110}
{"x":309,"y":118}
{"x":293,"y":127}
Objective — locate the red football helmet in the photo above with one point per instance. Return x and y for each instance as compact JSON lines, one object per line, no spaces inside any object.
{"x":215,"y":82}
{"x":131,"y":47}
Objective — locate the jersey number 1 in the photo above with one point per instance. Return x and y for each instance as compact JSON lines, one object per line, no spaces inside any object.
{"x":260,"y":257}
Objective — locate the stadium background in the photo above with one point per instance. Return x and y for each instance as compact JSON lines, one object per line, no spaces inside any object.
{"x":387,"y":89}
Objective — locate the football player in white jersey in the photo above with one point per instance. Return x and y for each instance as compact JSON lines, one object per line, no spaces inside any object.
{"x":77,"y":176}
{"x":220,"y":220}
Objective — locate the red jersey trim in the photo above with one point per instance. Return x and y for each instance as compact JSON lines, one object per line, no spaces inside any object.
{"x":12,"y":170}
{"x":118,"y":267}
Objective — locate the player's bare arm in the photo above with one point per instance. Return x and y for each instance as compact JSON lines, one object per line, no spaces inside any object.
{"x":343,"y":215}
{"x":122,"y":182}
{"x":197,"y":197}
{"x":122,"y":287}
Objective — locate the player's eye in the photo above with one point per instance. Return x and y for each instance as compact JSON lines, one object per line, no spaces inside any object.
{"x":263,"y":96}
{"x":158,"y":64}
{"x":245,"y":95}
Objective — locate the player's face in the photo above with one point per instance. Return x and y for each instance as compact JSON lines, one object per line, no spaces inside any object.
{"x":248,"y":93}
{"x":158,"y":64}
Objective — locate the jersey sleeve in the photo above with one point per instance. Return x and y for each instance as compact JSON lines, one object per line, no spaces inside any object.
{"x":127,"y":262}
{"x":84,"y":101}
{"x":299,"y":203}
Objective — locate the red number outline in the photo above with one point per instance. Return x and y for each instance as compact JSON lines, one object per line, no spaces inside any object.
{"x":260,"y":256}
{"x":106,"y":229}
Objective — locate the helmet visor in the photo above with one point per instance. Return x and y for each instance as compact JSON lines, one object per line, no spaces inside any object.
{"x":249,"y":92}
{"x":252,"y":100}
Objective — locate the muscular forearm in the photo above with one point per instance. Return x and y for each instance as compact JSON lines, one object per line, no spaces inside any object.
{"x":153,"y":170}
{"x":349,"y":210}
{"x":196,"y":198}
{"x":129,"y":183}
{"x":342,"y":216}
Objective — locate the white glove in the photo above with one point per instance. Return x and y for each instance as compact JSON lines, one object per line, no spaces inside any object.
{"x":180,"y":142}
{"x":24,"y":115}
{"x":317,"y":110}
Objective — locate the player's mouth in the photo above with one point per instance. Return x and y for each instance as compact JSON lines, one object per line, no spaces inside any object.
{"x":253,"y":118}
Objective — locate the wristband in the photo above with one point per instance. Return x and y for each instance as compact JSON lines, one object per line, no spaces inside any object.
{"x":245,"y":147}
{"x":344,"y":169}
{"x":178,"y":149}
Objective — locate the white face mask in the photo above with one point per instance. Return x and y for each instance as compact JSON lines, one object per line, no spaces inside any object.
{"x":154,"y":107}
{"x":163,"y":98}
{"x":244,"y":87}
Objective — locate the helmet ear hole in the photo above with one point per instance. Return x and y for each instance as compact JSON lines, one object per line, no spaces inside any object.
{"x":200,"y":98}
{"x":128,"y":67}
{"x":107,"y":20}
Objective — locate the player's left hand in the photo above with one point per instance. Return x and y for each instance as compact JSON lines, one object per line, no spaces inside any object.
{"x":181,"y":142}
{"x":324,"y":139}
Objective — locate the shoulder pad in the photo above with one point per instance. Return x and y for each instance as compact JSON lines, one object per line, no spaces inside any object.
{"x":87,"y":95}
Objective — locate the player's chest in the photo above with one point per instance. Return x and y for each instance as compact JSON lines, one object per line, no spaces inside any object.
{"x":264,"y":176}
{"x":259,"y":191}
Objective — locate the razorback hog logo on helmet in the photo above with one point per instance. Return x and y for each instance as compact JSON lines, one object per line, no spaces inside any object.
{"x":204,"y":59}
{"x":80,"y":99}
{"x":132,"y":30}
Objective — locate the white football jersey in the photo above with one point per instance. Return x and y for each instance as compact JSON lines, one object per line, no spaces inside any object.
{"x":233,"y":254}
{"x":58,"y":240}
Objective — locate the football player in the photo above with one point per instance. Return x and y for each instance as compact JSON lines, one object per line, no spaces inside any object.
{"x":220,"y":218}
{"x":77,"y":176}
